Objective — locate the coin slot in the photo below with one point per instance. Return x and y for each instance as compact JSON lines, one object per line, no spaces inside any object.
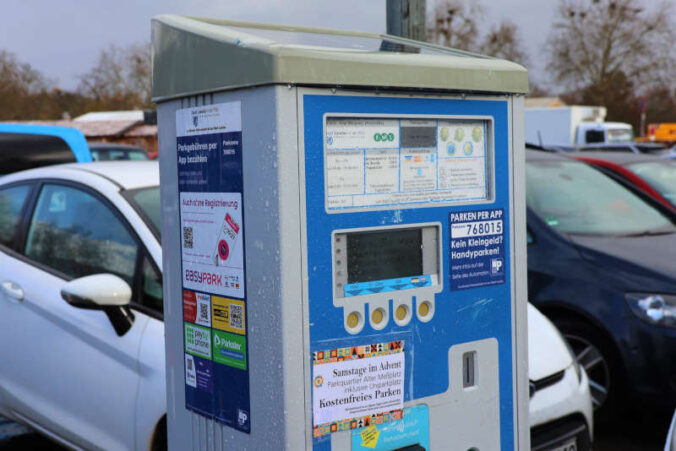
{"x":469,"y":376}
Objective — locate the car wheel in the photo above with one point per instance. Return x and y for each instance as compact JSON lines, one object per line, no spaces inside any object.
{"x":596,"y":354}
{"x":160,"y":437}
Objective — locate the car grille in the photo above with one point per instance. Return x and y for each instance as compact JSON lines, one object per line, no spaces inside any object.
{"x":550,"y":435}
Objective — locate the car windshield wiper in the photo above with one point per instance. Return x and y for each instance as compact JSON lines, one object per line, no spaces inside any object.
{"x":653,"y":232}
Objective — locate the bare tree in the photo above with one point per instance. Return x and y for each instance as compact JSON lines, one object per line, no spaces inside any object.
{"x":21,"y":88}
{"x":599,"y":44}
{"x":18,"y":76}
{"x":120,"y":79}
{"x":503,"y":41}
{"x":140,"y":70}
{"x":454,"y":24}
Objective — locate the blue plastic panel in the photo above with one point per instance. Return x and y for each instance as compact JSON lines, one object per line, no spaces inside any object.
{"x":462,"y":315}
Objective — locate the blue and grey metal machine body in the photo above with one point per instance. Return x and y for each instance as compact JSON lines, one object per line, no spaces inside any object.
{"x":344,"y":255}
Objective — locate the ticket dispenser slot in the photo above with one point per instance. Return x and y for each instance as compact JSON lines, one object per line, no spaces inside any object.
{"x":386,"y":274}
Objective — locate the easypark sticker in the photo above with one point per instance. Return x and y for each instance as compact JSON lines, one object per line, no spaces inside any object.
{"x":228,"y":315}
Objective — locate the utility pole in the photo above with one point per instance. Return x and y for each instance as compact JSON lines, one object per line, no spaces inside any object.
{"x":406,"y":18}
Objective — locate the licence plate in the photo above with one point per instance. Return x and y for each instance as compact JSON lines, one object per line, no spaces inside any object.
{"x":569,"y":445}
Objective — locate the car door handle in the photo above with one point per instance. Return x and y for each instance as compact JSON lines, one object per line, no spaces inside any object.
{"x":12,"y":290}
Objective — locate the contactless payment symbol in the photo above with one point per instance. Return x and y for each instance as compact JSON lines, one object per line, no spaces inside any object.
{"x":223,"y":250}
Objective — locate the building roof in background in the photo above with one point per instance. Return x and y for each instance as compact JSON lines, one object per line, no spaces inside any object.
{"x":544,"y":102}
{"x":99,"y":116}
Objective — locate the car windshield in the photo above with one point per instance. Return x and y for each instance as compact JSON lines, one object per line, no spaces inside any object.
{"x":661,"y":175}
{"x":574,"y":198}
{"x":147,"y":201}
{"x":618,"y":135}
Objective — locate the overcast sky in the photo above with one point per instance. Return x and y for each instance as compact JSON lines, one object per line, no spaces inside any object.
{"x":63,"y":38}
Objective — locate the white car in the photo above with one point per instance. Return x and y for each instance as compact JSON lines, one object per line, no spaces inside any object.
{"x":87,"y":372}
{"x":560,"y":408}
{"x":83,"y":353}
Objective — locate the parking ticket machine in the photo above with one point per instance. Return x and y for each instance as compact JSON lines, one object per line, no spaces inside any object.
{"x":344,"y":240}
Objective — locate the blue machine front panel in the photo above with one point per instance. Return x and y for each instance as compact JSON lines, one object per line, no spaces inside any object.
{"x":463,"y":313}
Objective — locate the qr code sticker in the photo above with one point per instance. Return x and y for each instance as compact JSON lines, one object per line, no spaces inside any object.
{"x":187,"y":237}
{"x":236,"y":316}
{"x":189,"y":364}
{"x":204,"y":312}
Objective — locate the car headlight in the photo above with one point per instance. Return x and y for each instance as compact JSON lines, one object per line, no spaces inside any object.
{"x":658,"y":309}
{"x":576,"y":364}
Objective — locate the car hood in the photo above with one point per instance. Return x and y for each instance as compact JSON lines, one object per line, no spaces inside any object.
{"x":547,"y":352}
{"x":632,"y":258}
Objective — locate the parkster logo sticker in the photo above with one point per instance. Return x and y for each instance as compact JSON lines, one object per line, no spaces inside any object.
{"x":230,"y":349}
{"x":197,"y":340}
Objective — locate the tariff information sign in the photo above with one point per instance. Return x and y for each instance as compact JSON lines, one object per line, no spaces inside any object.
{"x":374,"y":162}
{"x":477,"y":248}
{"x":353,"y":385}
{"x":210,"y":183}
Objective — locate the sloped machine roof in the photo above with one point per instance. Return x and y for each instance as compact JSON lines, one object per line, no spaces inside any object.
{"x":196,"y":55}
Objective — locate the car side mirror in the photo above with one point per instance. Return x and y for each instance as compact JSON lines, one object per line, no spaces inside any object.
{"x":105,"y":292}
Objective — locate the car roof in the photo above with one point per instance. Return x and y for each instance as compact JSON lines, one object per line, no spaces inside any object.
{"x":540,"y":155}
{"x":620,"y":158}
{"x":15,"y":134}
{"x":125,"y":174}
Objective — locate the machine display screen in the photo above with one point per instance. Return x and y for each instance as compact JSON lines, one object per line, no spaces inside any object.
{"x":384,"y":255}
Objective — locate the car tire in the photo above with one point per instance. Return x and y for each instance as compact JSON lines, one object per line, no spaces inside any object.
{"x":595,"y":352}
{"x":160,"y":436}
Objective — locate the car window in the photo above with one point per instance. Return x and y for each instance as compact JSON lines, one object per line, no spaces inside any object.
{"x":147,"y":200}
{"x":12,"y":201}
{"x":608,"y":149}
{"x":661,"y":175}
{"x":137,"y":155}
{"x":594,"y":136}
{"x":22,"y":151}
{"x":574,"y":198}
{"x":650,"y":149}
{"x":124,"y":154}
{"x":620,"y":135}
{"x":76,"y":234}
{"x":117,"y":155}
{"x":152,"y":287}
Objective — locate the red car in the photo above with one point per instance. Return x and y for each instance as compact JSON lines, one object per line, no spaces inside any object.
{"x":654,"y":176}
